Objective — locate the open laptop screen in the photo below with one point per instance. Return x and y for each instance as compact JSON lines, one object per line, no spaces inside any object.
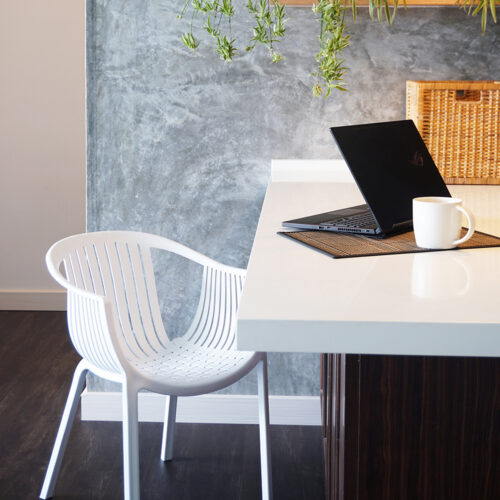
{"x":391,"y":166}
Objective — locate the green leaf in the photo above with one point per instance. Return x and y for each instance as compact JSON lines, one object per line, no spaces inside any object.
{"x":225,"y":48}
{"x":477,"y":9}
{"x":484,"y":17}
{"x":251,"y":7}
{"x":317,"y":90}
{"x":387,"y":12}
{"x":371,"y":8}
{"x":394,"y":10}
{"x":276,"y":57}
{"x":189,"y":41}
{"x":493,"y":10}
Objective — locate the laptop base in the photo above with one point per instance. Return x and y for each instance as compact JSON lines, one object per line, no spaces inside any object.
{"x":344,"y":220}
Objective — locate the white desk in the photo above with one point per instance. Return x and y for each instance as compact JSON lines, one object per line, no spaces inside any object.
{"x":297,"y":299}
{"x":421,"y":419}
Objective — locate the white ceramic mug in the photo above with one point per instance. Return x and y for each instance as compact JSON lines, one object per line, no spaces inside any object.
{"x":437,"y":222}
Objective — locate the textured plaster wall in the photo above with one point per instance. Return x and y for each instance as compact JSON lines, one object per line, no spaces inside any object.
{"x":181,"y":144}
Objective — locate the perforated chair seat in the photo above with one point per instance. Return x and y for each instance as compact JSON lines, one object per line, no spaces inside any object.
{"x":188,"y":369}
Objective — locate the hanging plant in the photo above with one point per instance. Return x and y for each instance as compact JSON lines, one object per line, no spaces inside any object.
{"x":270,"y":26}
{"x":269,"y":18}
{"x":333,"y":40}
{"x":268,"y":30}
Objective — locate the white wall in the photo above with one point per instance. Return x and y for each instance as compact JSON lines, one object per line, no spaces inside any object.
{"x":42,"y":143}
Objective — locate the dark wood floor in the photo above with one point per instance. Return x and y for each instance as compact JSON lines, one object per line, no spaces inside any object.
{"x":211,"y":461}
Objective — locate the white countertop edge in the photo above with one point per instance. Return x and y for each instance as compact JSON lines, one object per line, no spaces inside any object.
{"x":310,"y":171}
{"x":387,"y":338}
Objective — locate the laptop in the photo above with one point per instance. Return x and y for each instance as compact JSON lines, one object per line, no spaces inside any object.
{"x":391,"y":165}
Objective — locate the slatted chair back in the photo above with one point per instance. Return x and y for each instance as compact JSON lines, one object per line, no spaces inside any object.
{"x":214,"y":324}
{"x":118,"y":265}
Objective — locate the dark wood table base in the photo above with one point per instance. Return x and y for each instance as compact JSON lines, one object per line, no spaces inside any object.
{"x":411,"y":427}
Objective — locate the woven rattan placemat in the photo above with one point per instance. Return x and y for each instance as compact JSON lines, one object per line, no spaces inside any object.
{"x":340,"y":245}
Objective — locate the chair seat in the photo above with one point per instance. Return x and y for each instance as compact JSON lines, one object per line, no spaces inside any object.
{"x":184,"y":368}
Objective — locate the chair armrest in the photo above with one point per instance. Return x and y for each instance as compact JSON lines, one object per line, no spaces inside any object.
{"x":161,"y":243}
{"x":95,"y":331}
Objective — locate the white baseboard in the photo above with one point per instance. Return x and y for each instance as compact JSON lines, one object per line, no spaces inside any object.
{"x":32,"y":300}
{"x":210,"y":408}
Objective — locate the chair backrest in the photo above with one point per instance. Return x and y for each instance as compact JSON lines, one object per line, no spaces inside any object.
{"x":214,"y":324}
{"x":118,"y":266}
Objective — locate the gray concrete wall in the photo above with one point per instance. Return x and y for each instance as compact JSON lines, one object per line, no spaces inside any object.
{"x":180,"y":144}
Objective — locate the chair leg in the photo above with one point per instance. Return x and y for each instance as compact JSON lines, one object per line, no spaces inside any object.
{"x":167,"y":442}
{"x":63,"y":433}
{"x":131,"y":478}
{"x":265,"y":441}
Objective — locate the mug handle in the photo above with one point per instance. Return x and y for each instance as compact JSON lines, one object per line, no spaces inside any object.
{"x":472,"y":225}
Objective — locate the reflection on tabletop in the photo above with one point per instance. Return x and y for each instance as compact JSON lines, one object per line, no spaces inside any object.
{"x":439,"y":276}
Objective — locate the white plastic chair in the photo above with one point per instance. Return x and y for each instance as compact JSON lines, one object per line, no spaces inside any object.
{"x":115,"y":324}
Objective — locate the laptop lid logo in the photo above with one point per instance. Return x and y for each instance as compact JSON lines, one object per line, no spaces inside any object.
{"x":417,"y":160}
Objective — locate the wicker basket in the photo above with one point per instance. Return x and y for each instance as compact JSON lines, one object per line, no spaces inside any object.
{"x":460,"y":124}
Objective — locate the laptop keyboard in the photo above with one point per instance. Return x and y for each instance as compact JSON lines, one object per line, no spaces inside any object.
{"x":361,"y":220}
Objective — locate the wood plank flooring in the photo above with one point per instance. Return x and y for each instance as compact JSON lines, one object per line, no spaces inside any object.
{"x":212,"y":462}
